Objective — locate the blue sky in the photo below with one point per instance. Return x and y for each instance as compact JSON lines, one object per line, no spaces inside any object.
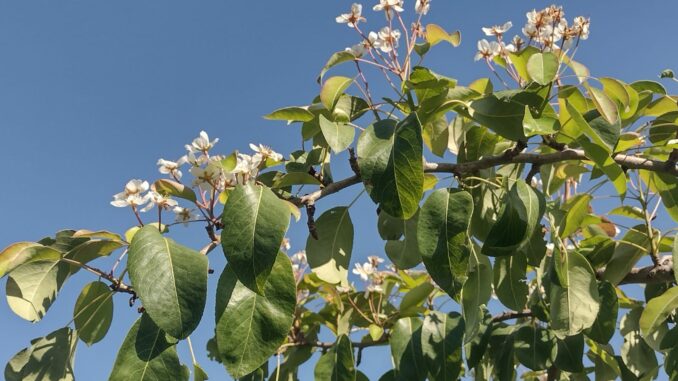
{"x":94,"y":92}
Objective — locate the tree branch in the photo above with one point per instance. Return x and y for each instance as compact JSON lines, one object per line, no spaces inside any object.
{"x":649,"y":274}
{"x":116,"y":284}
{"x":508,"y":315}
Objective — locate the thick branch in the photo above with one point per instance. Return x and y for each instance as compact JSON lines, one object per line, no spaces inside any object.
{"x":508,"y":315}
{"x":649,"y":274}
{"x":628,"y":161}
{"x":327,"y":345}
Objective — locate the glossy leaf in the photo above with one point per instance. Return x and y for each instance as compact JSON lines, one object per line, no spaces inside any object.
{"x":404,"y":253}
{"x":172,"y":188}
{"x":338,"y":135}
{"x":605,"y":105}
{"x":522,"y":211}
{"x":406,"y":350}
{"x":510,"y":282}
{"x":633,"y":246}
{"x":170,"y":279}
{"x":441,"y":340}
{"x":18,"y":253}
{"x":391,"y":163}
{"x":442,"y":237}
{"x":503,"y":116}
{"x":250,"y":327}
{"x":657,"y":310}
{"x":93,"y":312}
{"x":47,"y":358}
{"x":334,"y":60}
{"x":337,"y":364}
{"x":332,"y":90}
{"x":147,"y":355}
{"x":534,"y":347}
{"x":603,"y":328}
{"x":255,"y":221}
{"x":291,"y":114}
{"x":330,"y":255}
{"x":436,"y":34}
{"x":543,"y":67}
{"x":574,"y":308}
{"x":476,"y":291}
{"x":32,"y":288}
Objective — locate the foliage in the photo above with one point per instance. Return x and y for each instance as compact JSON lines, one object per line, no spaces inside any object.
{"x":499,"y":263}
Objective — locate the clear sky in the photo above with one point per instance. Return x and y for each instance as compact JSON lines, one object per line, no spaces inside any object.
{"x":93,"y":92}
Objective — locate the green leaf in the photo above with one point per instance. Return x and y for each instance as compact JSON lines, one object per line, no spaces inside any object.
{"x":637,"y":355}
{"x":330,"y":255}
{"x":337,"y":364}
{"x":607,"y":108}
{"x":576,"y":209}
{"x":442,"y":237}
{"x":406,"y":350}
{"x":47,"y":358}
{"x":435,"y":34}
{"x":667,"y":187}
{"x":336,"y":59}
{"x":510,"y":283}
{"x":476,"y":291}
{"x":91,"y":250}
{"x":338,"y":135}
{"x":412,"y":301}
{"x":147,"y":355}
{"x":570,"y":353}
{"x":541,"y":126}
{"x":255,"y":221}
{"x":657,"y":310}
{"x":332,"y":89}
{"x":441,"y":340}
{"x":543,"y":67}
{"x":349,"y":108}
{"x":172,"y":188}
{"x":296,"y":178}
{"x":18,"y":253}
{"x":534,"y":347}
{"x":198,"y":373}
{"x":251,"y":327}
{"x":603,"y":328}
{"x":674,"y":256}
{"x":391,"y":165}
{"x":575,"y":307}
{"x":404,"y":253}
{"x":170,"y":279}
{"x":521,"y":214}
{"x":291,"y":114}
{"x":503,"y":116}
{"x":520,"y":60}
{"x":33,"y":286}
{"x":628,"y":211}
{"x":633,"y":246}
{"x":93,"y":312}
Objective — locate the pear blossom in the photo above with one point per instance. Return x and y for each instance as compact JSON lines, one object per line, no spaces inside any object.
{"x":487,"y":50}
{"x":263,"y":152}
{"x":422,"y":6}
{"x":387,"y":5}
{"x":246,"y":164}
{"x":201,"y":144}
{"x":581,"y":25}
{"x":357,"y":50}
{"x":185,"y":215}
{"x":211,"y":175}
{"x":285,"y":245}
{"x":374,"y":260}
{"x":160,"y":200}
{"x":352,"y":18}
{"x":497,"y":30}
{"x":132,"y":195}
{"x":171,"y":167}
{"x":364,"y":270}
{"x":517,"y":42}
{"x":388,"y":39}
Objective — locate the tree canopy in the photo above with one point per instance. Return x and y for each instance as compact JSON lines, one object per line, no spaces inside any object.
{"x":500,"y":262}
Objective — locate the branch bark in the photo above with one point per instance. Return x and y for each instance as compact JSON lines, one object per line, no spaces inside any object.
{"x":650,"y":274}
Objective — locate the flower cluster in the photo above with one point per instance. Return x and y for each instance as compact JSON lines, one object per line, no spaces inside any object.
{"x":210,"y":177}
{"x":368,"y":272}
{"x":549,"y":28}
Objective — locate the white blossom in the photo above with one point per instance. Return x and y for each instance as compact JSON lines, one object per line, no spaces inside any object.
{"x":201,"y":144}
{"x":132,"y":195}
{"x":388,"y":39}
{"x":517,"y":42}
{"x":387,"y":5}
{"x":263,"y":152}
{"x":209,"y":176}
{"x":167,"y":167}
{"x":353,"y":18}
{"x":160,"y":200}
{"x":422,"y":6}
{"x":365,"y":270}
{"x":497,"y":30}
{"x":247,"y":165}
{"x":357,"y":50}
{"x":581,"y":25}
{"x":487,"y":50}
{"x":185,"y":215}
{"x":285,"y":244}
